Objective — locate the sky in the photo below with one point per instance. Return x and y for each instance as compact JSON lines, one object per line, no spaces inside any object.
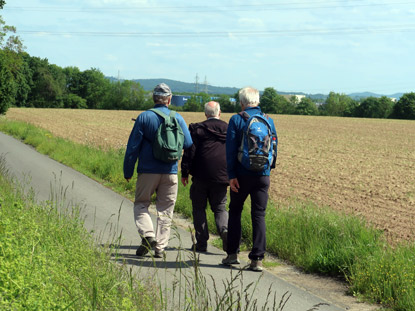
{"x":309,"y":46}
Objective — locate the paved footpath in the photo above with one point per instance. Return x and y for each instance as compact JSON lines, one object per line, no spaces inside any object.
{"x":109,"y":216}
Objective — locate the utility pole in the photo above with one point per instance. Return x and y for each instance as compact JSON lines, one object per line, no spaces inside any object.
{"x":197,"y":84}
{"x":206,"y":85}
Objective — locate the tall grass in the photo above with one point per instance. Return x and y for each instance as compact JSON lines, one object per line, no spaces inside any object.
{"x":313,"y":238}
{"x":49,"y":262}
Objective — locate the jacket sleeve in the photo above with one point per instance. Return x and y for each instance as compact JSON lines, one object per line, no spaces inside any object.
{"x":133,"y":148}
{"x":232,"y":147}
{"x":188,"y":155}
{"x":188,"y":142}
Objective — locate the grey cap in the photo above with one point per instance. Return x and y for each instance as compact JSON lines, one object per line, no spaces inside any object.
{"x":162,"y":89}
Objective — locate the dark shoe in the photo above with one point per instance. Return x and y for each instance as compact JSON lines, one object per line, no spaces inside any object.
{"x":255,"y":265}
{"x":160,"y":254}
{"x":224,"y":236}
{"x":199,"y":248}
{"x":231,"y":260}
{"x":147,"y":244}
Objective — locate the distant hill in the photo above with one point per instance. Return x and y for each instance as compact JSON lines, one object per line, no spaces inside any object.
{"x":370,"y":94}
{"x":186,"y":87}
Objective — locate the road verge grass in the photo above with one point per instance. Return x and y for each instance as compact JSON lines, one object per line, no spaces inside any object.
{"x":313,"y":238}
{"x":48,"y":261}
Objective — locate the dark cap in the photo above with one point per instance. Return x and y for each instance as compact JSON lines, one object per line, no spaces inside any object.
{"x":162,"y":89}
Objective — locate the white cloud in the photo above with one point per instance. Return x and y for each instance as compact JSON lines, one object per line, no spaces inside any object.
{"x":111,"y":57}
{"x":251,"y":22}
{"x":116,"y":2}
{"x":215,"y":55}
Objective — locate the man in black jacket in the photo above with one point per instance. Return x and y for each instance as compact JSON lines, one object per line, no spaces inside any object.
{"x":206,"y":162}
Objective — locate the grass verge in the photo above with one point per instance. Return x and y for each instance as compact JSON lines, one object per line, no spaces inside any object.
{"x":313,"y":238}
{"x":49,"y":262}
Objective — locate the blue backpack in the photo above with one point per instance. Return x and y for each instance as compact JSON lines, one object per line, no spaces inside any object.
{"x":257,"y":151}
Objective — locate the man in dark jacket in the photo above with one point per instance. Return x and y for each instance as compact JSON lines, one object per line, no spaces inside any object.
{"x":206,"y":162}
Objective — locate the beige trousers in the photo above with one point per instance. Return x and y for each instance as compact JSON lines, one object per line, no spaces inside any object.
{"x":165,"y":187}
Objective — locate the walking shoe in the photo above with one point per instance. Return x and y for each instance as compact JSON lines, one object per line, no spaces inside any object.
{"x":199,"y":248}
{"x":224,"y":236}
{"x":159,"y":254}
{"x":146,"y":245}
{"x":231,"y":259}
{"x":255,"y":265}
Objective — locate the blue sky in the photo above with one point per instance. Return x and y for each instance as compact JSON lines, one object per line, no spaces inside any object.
{"x":309,"y":46}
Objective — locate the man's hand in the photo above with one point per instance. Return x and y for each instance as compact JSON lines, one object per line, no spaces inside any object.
{"x":185,"y":181}
{"x":234,"y":184}
{"x":128,"y":179}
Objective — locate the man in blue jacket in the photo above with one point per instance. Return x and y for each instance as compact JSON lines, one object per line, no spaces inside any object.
{"x":153,"y":175}
{"x":244,"y":182}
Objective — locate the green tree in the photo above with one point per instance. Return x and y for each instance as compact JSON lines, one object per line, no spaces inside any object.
{"x":11,"y":82}
{"x":8,"y":39}
{"x":73,"y":79}
{"x":196,"y":102}
{"x":285,"y":106}
{"x":237,"y":105}
{"x":225,"y":103}
{"x":269,"y":100}
{"x":405,"y":107}
{"x":73,"y":101}
{"x":94,"y":87}
{"x":48,"y":84}
{"x":337,"y":105}
{"x":23,"y":78}
{"x":372,"y":107}
{"x":272,"y":102}
{"x":2,"y":3}
{"x":306,"y":107}
{"x":125,"y":95}
{"x":385,"y":107}
{"x":7,"y":85}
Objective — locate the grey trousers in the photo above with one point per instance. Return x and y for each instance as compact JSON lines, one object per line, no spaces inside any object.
{"x":202,"y":192}
{"x":165,"y":186}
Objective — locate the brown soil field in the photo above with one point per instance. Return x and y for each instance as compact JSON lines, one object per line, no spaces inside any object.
{"x":364,"y":167}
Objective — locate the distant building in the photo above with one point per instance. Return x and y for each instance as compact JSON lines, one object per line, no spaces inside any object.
{"x":179,"y":100}
{"x":288,"y":96}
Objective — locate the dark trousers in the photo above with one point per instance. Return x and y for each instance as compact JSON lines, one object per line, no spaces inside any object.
{"x":257,"y":187}
{"x":200,"y":193}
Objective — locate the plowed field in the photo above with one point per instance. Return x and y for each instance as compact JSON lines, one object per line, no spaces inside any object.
{"x":361,"y":166}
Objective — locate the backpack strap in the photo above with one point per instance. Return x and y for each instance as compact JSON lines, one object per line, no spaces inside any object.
{"x":162,"y":114}
{"x":244,"y":115}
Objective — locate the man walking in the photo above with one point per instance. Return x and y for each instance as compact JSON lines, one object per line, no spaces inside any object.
{"x":245,"y":181}
{"x":153,"y":174}
{"x":206,"y":162}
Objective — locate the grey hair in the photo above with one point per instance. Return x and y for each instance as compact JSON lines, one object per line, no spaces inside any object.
{"x":212,"y":109}
{"x":158,"y":99}
{"x":249,"y":97}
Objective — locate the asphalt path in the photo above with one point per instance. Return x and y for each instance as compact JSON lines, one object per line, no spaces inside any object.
{"x":109,"y":217}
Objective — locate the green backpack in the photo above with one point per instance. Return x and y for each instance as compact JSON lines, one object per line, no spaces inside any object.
{"x":169,"y":139}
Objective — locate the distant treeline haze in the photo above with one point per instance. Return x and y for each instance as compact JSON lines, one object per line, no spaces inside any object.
{"x":27,"y":81}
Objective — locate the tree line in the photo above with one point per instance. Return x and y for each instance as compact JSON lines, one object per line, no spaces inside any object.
{"x":27,"y":81}
{"x":335,"y":104}
{"x":340,"y":105}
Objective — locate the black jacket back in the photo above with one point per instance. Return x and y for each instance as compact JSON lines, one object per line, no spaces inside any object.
{"x":206,"y":159}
